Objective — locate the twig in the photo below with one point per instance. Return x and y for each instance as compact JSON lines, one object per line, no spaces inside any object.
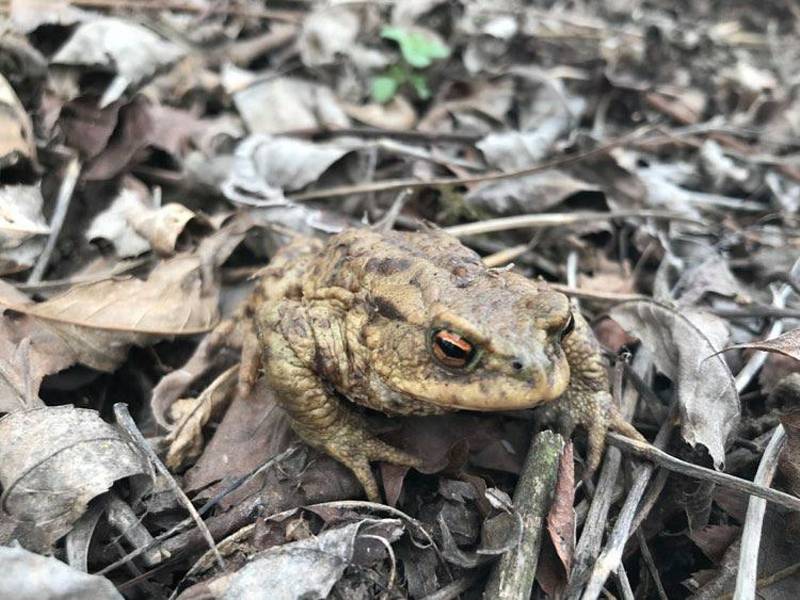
{"x":554,"y":219}
{"x":120,"y":268}
{"x":751,"y":534}
{"x":399,"y":184}
{"x":278,"y":15}
{"x":203,"y":510}
{"x":512,"y":576}
{"x":71,"y":174}
{"x":588,"y":546}
{"x":458,"y":587}
{"x":662,"y":459}
{"x":647,"y":556}
{"x":126,"y":422}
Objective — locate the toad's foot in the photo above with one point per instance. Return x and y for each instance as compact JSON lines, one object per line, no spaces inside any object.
{"x":595,"y":412}
{"x":350,"y":442}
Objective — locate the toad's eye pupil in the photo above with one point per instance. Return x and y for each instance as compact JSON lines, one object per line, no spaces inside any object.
{"x":451,"y":349}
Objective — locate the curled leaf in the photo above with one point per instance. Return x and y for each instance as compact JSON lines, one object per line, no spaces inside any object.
{"x":684,"y":346}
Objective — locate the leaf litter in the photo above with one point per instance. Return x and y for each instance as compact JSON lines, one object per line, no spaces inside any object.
{"x":205,"y":135}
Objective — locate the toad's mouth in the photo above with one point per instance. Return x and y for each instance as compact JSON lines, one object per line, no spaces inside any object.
{"x":485,"y":395}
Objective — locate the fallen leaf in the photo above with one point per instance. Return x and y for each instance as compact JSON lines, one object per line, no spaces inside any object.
{"x":190,"y":415}
{"x":134,"y":53}
{"x":684,"y":345}
{"x":787,"y":344}
{"x":280,"y":104}
{"x":16,"y":131}
{"x":22,"y":227}
{"x":55,"y":460}
{"x":132,"y":225}
{"x":96,"y":323}
{"x":308,"y":568}
{"x":253,"y":430}
{"x":29,"y":576}
{"x":266,"y":166}
{"x":327,"y":32}
{"x":398,"y":113}
{"x":529,"y":194}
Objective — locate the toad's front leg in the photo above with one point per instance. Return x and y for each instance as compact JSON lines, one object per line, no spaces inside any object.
{"x":291,"y":356}
{"x":587,"y":401}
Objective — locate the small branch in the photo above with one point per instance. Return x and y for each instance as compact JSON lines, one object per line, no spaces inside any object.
{"x":662,"y":459}
{"x":555,"y":219}
{"x":399,"y":184}
{"x":126,"y":422}
{"x":71,"y":174}
{"x":512,"y":576}
{"x":751,"y":534}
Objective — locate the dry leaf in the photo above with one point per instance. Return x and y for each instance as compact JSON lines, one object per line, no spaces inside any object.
{"x":266,"y":166}
{"x":29,"y":576}
{"x":308,"y":568}
{"x":190,"y":415}
{"x":131,"y":51}
{"x":787,"y":344}
{"x":276,"y":105}
{"x":55,"y":460}
{"x":22,"y":227}
{"x":398,"y":113}
{"x":134,"y":226}
{"x":684,"y":346}
{"x":529,"y":194}
{"x":16,"y":131}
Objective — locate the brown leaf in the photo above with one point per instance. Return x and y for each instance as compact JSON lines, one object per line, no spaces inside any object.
{"x":134,"y":225}
{"x":684,"y":345}
{"x":787,"y":344}
{"x":252,"y":430}
{"x":55,"y":460}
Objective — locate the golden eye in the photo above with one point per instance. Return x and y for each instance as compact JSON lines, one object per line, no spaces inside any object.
{"x":451,"y":349}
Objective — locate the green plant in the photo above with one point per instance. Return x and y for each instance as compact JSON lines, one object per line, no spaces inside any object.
{"x":418,"y":52}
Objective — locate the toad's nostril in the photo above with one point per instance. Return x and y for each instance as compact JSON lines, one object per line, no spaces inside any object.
{"x":517,"y":365}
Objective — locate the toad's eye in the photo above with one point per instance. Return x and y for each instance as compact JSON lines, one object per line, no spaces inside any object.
{"x":568,"y":326}
{"x":451,"y":349}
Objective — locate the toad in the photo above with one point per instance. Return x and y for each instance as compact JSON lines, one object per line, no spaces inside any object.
{"x":414,"y":324}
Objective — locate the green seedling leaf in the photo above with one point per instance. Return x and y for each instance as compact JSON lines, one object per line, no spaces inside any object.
{"x":383,"y":89}
{"x":418,"y":50}
{"x":420,"y":84}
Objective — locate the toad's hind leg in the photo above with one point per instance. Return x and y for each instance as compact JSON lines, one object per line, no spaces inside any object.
{"x":587,"y":401}
{"x":318,"y":415}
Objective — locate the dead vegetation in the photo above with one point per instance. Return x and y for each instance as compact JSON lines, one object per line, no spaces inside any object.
{"x":642,"y":156}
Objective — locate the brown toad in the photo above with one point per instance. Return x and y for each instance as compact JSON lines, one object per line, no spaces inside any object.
{"x":414,"y":323}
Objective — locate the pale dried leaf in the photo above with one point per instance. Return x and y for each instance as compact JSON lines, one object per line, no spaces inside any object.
{"x":265,"y":166}
{"x":29,"y":576}
{"x":133,"y":225}
{"x":327,"y":32}
{"x":172,"y":301}
{"x":529,"y":194}
{"x":308,"y":568}
{"x":684,"y":346}
{"x":22,"y":227}
{"x":398,"y":113}
{"x":190,"y":415}
{"x":16,"y":130}
{"x":787,"y":344}
{"x":281,"y":104}
{"x":133,"y":52}
{"x":55,"y":460}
